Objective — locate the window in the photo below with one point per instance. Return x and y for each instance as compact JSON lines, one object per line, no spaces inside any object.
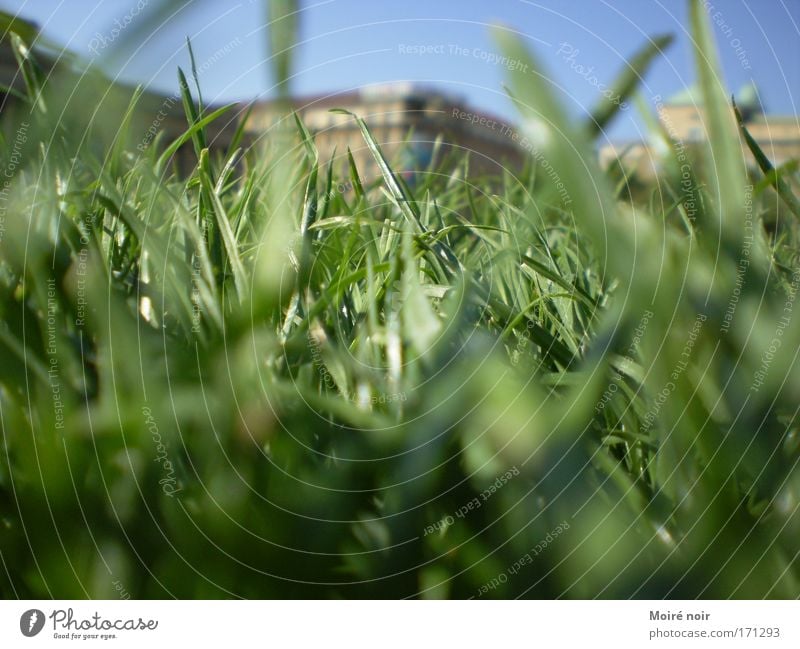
{"x":415,"y":104}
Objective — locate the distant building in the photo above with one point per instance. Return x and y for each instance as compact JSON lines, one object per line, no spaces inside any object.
{"x":683,"y":119}
{"x":405,"y":120}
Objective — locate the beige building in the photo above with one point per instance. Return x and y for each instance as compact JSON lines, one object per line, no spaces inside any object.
{"x":405,"y":120}
{"x":684,"y":122}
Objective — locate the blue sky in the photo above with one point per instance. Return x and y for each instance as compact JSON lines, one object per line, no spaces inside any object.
{"x":345,"y":44}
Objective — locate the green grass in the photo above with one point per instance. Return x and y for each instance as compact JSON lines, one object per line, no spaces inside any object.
{"x":246,"y":384}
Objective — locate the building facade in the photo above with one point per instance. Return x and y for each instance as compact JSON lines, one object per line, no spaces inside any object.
{"x":684,"y":121}
{"x":405,"y":120}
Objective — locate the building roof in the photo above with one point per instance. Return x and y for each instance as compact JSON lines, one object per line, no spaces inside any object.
{"x":364,"y":94}
{"x":747,"y":97}
{"x":687,"y":96}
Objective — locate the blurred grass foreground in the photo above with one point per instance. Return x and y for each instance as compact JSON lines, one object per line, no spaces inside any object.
{"x":222,"y":377}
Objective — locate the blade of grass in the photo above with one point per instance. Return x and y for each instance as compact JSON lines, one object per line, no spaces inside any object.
{"x":727,"y":177}
{"x":770,"y":173}
{"x":626,"y":83}
{"x":224,"y":225}
{"x":187,"y":135}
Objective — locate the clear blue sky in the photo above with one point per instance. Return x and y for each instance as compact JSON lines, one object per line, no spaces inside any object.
{"x":348,"y":43}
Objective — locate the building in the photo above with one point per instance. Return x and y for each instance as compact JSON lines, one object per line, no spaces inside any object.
{"x":405,"y":120}
{"x":683,"y":119}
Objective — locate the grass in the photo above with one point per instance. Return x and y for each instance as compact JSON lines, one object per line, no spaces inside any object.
{"x":244,"y":383}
